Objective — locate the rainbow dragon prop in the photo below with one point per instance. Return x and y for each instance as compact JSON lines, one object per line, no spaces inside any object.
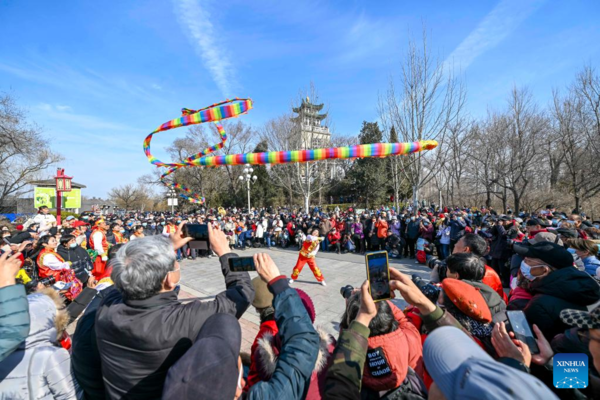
{"x":236,"y":107}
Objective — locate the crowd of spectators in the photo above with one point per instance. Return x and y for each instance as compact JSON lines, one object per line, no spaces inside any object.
{"x":134,"y":338}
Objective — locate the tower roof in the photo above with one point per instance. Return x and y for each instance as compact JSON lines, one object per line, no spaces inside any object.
{"x":306,"y":105}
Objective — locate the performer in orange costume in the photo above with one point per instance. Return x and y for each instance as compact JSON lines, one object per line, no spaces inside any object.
{"x":98,"y":242}
{"x":309,"y":250}
{"x":51,"y":264}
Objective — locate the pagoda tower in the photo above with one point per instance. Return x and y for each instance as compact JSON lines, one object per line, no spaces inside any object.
{"x":313,"y":134}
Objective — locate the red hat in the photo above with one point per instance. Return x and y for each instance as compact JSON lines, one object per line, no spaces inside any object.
{"x":467,"y":299}
{"x":19,"y":227}
{"x":78,"y":224}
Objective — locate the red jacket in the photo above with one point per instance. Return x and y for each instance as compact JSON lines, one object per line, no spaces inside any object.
{"x":400,"y":349}
{"x":492,"y":279}
{"x":334,"y":237}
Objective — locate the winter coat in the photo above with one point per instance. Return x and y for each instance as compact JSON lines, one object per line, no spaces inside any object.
{"x":40,"y":368}
{"x":457,"y":226}
{"x":299,"y":347}
{"x":14,"y":318}
{"x":78,"y":256}
{"x":390,"y":355}
{"x":518,"y":298}
{"x":382,"y":227}
{"x":561,"y":289}
{"x":396,"y":227}
{"x":591,"y":264}
{"x":85,"y":357}
{"x":444,"y":234}
{"x":260,"y":231}
{"x":499,"y":246}
{"x":427,"y":232}
{"x":412,"y":230}
{"x":358,"y":229}
{"x":344,"y":377}
{"x":139,"y":340}
{"x":267,"y":353}
{"x":334,"y":237}
{"x":325,"y":227}
{"x":492,"y":279}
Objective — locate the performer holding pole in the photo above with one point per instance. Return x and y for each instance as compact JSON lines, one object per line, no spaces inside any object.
{"x":309,"y":250}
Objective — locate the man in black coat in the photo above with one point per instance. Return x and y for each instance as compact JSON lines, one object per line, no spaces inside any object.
{"x":142,"y":329}
{"x":556,"y":285}
{"x":500,"y":252}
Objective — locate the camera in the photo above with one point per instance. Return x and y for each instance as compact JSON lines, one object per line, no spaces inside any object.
{"x":49,"y":281}
{"x":346,"y":291}
{"x":510,"y":243}
{"x":442,"y":268}
{"x":430,"y":291}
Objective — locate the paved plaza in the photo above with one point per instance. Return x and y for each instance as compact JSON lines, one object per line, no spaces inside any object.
{"x":203,"y":279}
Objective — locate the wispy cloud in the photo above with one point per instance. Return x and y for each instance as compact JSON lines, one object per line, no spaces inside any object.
{"x":69,"y":129}
{"x":83,"y":80}
{"x":364,"y":37}
{"x":492,"y":30}
{"x":196,"y":21}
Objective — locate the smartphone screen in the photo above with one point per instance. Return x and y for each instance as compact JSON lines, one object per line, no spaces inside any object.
{"x":520,"y":327}
{"x":242,"y":264}
{"x":196,"y":231}
{"x":378,"y":274}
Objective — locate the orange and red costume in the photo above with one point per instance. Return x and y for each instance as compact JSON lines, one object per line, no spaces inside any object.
{"x":60,"y":275}
{"x":309,"y":250}
{"x":99,"y":263}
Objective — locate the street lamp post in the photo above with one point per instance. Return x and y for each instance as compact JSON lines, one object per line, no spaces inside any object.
{"x":172,"y":200}
{"x":248,"y":177}
{"x":63,"y":184}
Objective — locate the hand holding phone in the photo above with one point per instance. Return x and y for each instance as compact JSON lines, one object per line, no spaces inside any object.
{"x":241,"y":264}
{"x":378,"y":274}
{"x":522,"y":331}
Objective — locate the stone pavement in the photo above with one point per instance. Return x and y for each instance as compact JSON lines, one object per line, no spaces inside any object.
{"x":203,"y":279}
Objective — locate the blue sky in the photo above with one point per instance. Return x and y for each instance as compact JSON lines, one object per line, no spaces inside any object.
{"x":98,"y":76}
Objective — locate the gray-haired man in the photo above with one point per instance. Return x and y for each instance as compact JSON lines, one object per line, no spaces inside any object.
{"x":142,"y":329}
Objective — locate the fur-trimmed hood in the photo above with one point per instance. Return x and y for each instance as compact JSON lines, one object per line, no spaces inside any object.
{"x":267,"y":353}
{"x":49,"y":319}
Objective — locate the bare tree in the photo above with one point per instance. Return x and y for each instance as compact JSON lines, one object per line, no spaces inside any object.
{"x":128,"y":196}
{"x":587,"y":88}
{"x":430,"y":100}
{"x":483,"y":157}
{"x":24,"y":152}
{"x":279,"y":133}
{"x":581,"y":175}
{"x":523,"y":128}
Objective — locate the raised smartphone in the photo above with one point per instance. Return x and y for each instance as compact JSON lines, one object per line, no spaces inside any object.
{"x":378,"y":274}
{"x":522,"y":331}
{"x":242,"y":264}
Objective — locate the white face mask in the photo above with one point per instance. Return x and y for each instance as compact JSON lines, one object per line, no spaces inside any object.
{"x":526,"y":271}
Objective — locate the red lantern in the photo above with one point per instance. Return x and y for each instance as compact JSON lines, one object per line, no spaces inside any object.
{"x":63,"y":184}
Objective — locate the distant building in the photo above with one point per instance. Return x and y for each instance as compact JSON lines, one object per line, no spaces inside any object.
{"x":313,"y":134}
